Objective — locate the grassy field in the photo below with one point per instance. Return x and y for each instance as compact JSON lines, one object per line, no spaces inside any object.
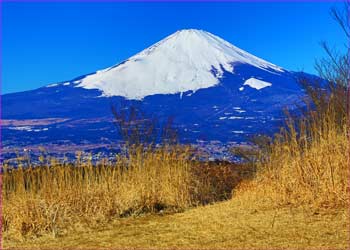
{"x":238,"y":223}
{"x":260,"y":214}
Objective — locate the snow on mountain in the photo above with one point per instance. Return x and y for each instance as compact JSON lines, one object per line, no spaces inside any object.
{"x":186,"y":60}
{"x":256,"y":83}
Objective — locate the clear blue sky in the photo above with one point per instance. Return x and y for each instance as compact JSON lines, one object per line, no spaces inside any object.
{"x":50,"y":42}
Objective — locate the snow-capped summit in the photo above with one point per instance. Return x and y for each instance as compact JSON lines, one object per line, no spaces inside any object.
{"x":186,"y":60}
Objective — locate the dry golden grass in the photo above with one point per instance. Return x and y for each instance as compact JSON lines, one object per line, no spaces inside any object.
{"x":47,"y":199}
{"x":239,"y":223}
{"x":52,"y":198}
{"x":307,"y":163}
{"x":256,"y":217}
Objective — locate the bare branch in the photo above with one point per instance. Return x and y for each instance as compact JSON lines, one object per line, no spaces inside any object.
{"x":342,"y":17}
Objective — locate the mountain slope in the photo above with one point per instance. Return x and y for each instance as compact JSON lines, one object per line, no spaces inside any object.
{"x":217,"y":93}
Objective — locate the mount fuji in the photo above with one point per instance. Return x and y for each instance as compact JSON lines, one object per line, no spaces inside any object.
{"x":217,"y":93}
